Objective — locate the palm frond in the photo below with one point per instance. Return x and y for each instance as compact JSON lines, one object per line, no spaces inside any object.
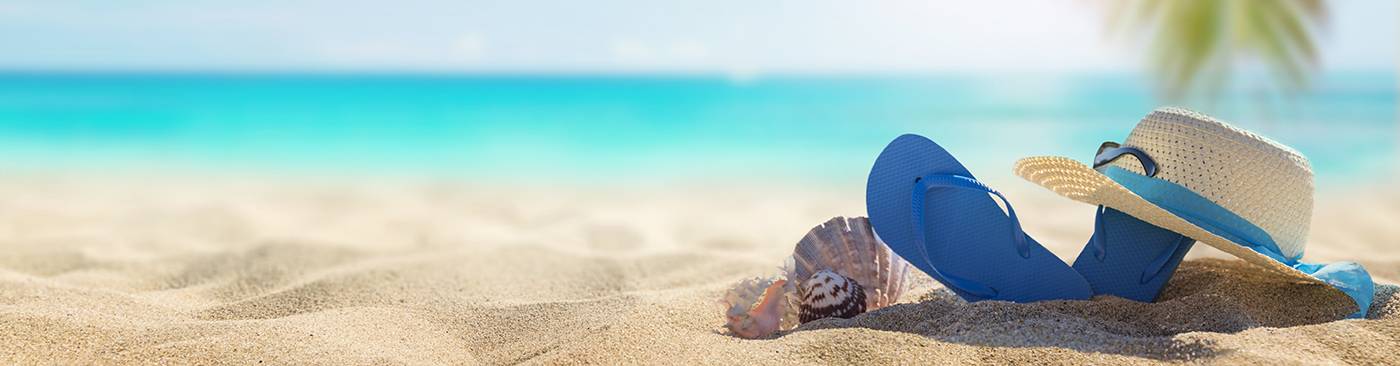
{"x":1195,"y":44}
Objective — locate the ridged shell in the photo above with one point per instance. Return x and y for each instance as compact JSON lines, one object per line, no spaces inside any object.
{"x":848,"y":247}
{"x":830,"y":295}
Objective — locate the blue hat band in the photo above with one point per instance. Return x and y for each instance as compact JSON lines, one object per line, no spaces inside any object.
{"x":1199,"y":211}
{"x":1349,"y":277}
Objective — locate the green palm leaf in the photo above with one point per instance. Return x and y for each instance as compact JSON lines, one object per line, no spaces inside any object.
{"x":1194,"y":44}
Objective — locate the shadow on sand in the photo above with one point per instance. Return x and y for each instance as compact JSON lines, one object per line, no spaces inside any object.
{"x":1208,"y":295}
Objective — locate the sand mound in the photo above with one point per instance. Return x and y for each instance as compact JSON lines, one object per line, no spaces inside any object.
{"x":1208,"y":300}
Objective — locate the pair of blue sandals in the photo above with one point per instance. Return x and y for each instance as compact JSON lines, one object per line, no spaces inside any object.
{"x":932,"y":211}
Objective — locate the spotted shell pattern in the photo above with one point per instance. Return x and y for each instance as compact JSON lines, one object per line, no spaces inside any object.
{"x":830,"y":295}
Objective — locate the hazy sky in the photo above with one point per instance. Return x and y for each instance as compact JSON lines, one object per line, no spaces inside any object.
{"x":729,"y":36}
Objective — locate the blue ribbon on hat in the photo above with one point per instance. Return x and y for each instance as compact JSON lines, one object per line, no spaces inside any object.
{"x":1349,"y":277}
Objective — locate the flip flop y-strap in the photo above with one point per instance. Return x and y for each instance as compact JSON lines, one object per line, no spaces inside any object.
{"x":931,"y":181}
{"x":1099,"y":245}
{"x":1108,"y":152}
{"x":1159,"y":264}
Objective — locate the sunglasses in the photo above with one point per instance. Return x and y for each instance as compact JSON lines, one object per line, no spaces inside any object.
{"x":1110,"y":151}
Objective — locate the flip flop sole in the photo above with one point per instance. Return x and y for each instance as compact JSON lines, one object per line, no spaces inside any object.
{"x":966,"y":233}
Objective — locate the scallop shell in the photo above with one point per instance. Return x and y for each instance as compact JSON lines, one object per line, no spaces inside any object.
{"x":848,"y":247}
{"x":830,"y":295}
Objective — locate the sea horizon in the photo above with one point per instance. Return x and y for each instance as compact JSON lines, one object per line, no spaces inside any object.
{"x":626,"y":126}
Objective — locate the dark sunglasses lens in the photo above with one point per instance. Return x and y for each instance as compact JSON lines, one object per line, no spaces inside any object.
{"x":1149,"y":166}
{"x":1110,"y":151}
{"x":1105,"y":146}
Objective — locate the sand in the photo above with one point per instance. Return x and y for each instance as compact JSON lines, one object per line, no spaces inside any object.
{"x":245,"y":270}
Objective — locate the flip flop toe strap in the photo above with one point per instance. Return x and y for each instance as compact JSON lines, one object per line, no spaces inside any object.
{"x":1099,"y":245}
{"x":929,"y":182}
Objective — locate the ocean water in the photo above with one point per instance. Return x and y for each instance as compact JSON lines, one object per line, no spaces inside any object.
{"x":614,"y":128}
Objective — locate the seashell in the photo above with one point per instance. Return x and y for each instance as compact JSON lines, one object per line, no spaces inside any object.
{"x":849,"y":248}
{"x":830,"y":295}
{"x":758,"y":307}
{"x":863,"y":275}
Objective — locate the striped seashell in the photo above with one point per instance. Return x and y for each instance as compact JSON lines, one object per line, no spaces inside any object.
{"x":830,"y":295}
{"x":849,"y":248}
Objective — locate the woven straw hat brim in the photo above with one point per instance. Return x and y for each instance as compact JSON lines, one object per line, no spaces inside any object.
{"x":1079,"y":182}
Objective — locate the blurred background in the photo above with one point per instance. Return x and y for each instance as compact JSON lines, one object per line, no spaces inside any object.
{"x":610,"y":92}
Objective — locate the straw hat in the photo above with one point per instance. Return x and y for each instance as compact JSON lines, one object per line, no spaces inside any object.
{"x":1229,"y":188}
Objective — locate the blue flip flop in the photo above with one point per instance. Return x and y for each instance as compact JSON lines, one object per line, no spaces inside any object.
{"x":930,"y":210}
{"x":1130,"y":258}
{"x":1127,"y":257}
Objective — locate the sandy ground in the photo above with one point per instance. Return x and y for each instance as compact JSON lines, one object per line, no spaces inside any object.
{"x":246,"y":271}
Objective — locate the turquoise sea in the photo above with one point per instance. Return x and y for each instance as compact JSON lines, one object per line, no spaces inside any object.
{"x":608,"y":128}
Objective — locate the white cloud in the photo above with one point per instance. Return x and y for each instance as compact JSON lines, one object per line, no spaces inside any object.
{"x":456,"y":53}
{"x":469,"y":47}
{"x":662,"y":55}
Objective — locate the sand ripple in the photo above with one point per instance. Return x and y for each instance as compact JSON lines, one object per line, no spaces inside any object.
{"x":439,"y":274}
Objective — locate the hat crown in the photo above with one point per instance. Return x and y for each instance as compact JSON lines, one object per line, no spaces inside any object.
{"x":1266,"y":183}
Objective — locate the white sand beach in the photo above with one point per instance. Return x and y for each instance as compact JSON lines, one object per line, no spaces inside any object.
{"x":239,"y":270}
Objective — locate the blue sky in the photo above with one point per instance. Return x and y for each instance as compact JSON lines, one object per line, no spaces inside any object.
{"x":724,"y":36}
